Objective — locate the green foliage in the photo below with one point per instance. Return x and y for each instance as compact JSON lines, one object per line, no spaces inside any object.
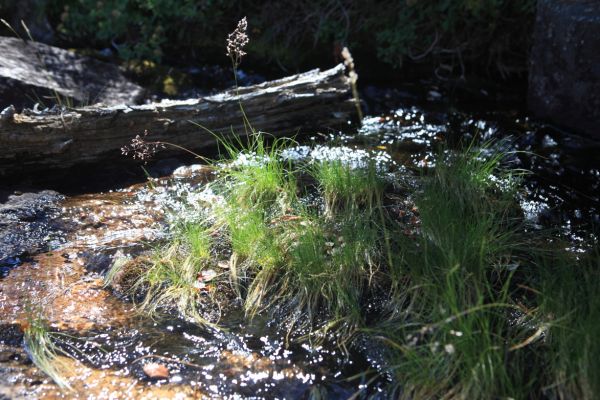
{"x":474,"y":307}
{"x":465,"y":218}
{"x":260,"y":178}
{"x":289,"y":253}
{"x":331,"y":264}
{"x":43,"y":352}
{"x":570,"y":312}
{"x":455,"y":336}
{"x":171,"y":276}
{"x":140,"y":29}
{"x":347,"y":188}
{"x":490,"y":34}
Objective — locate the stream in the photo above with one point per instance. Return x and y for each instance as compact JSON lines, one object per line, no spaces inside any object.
{"x":56,"y":250}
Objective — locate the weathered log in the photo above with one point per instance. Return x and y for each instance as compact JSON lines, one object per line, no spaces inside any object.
{"x":315,"y":100}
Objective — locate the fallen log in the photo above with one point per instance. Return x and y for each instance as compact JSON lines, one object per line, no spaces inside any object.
{"x":315,"y":100}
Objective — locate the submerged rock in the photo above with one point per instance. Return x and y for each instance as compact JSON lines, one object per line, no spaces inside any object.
{"x":156,"y":371}
{"x":26,"y":225}
{"x":10,"y":334}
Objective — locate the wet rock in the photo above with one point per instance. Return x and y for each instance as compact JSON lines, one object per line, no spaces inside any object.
{"x":66,"y":284}
{"x":7,"y":114}
{"x":26,"y":225}
{"x":187,"y":171}
{"x":97,"y":262}
{"x":164,"y":167}
{"x":7,"y":355}
{"x":27,"y":206}
{"x":18,"y":381}
{"x":156,"y":371}
{"x":564,"y":76}
{"x":7,"y":264}
{"x":31,"y":68}
{"x":65,"y":295}
{"x":10,"y":334}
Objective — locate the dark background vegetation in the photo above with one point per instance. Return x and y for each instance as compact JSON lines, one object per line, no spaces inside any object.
{"x":449,"y":39}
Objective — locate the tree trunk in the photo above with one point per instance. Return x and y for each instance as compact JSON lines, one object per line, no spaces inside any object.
{"x":301,"y":103}
{"x":564,"y":73}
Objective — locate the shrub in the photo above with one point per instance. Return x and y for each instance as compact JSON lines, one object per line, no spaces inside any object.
{"x":481,"y":35}
{"x":140,"y":29}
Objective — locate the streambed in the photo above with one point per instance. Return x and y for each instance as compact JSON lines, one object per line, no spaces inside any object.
{"x":85,"y":233}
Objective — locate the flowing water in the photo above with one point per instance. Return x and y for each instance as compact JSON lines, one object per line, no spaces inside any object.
{"x":80,"y":236}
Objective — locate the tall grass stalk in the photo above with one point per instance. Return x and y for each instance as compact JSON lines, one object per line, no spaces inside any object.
{"x":43,"y":352}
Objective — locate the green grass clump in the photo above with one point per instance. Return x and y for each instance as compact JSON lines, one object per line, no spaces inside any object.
{"x":43,"y":352}
{"x":314,"y":263}
{"x":331,"y":267}
{"x":171,"y":276}
{"x":473,"y":305}
{"x":346,"y":187}
{"x":258,"y":177}
{"x":254,"y":243}
{"x":453,"y":335}
{"x":570,"y":312}
{"x":466,"y":221}
{"x":257,"y":187}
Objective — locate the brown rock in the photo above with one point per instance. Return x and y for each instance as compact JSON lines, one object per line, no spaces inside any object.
{"x":156,"y":371}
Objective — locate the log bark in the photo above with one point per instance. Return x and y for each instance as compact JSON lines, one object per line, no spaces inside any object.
{"x":315,"y":100}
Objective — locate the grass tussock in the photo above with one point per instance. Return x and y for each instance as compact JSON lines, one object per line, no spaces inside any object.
{"x":347,"y":188}
{"x":258,"y":177}
{"x":452,"y":337}
{"x":292,"y":254}
{"x":475,"y":307}
{"x":570,"y":312}
{"x":175,"y":276}
{"x":41,"y":348}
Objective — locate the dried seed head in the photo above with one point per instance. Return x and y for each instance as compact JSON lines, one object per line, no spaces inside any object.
{"x":142,"y":149}
{"x":236,"y":42}
{"x":348,"y":60}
